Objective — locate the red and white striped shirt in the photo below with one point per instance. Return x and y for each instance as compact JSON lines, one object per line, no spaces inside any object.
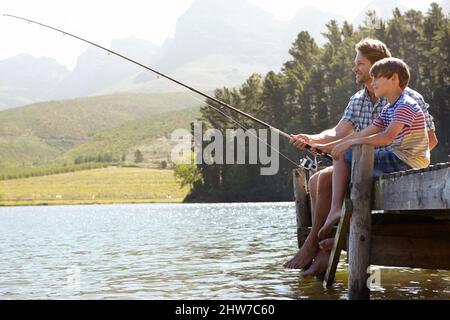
{"x":411,"y":144}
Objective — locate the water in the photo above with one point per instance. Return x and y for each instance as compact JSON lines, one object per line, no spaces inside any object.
{"x":172,"y":251}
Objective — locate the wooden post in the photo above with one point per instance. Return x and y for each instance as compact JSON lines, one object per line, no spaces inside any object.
{"x":360,"y":222}
{"x":339,"y":240}
{"x":302,"y":207}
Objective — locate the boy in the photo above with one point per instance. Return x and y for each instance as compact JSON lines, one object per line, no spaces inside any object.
{"x":400,"y":128}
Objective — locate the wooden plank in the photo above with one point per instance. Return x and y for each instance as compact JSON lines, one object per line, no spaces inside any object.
{"x":410,"y":252}
{"x":302,"y":207}
{"x":360,"y":223}
{"x":339,"y":241}
{"x":405,"y":216}
{"x":420,"y":190}
{"x":429,"y":230}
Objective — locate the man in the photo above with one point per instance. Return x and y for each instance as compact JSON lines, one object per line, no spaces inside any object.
{"x":361,"y":110}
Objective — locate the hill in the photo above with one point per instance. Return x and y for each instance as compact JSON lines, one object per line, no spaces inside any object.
{"x":151,"y":134}
{"x":43,"y":132}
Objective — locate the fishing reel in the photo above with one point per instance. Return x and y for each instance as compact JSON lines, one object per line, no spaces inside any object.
{"x":309,"y":164}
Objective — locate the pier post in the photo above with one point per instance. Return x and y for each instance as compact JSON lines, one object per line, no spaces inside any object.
{"x":360,"y":223}
{"x":302,"y":205}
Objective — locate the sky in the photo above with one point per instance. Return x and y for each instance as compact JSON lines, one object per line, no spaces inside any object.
{"x":102,"y":21}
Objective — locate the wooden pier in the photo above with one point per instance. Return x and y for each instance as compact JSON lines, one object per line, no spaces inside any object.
{"x":400,"y":219}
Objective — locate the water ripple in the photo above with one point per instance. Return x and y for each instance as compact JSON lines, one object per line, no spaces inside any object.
{"x":176,"y":251}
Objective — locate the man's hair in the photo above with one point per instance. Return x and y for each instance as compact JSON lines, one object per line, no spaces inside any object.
{"x":374,"y":50}
{"x":388,"y":66}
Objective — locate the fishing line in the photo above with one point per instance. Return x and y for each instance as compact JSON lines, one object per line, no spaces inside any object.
{"x":308,"y":147}
{"x":239,"y":124}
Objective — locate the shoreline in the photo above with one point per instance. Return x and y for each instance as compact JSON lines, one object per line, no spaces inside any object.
{"x":30,"y":203}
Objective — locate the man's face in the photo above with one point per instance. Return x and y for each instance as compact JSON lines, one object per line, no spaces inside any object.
{"x":361,"y":69}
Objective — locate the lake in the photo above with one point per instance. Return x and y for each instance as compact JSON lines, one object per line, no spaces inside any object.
{"x":173,"y":251}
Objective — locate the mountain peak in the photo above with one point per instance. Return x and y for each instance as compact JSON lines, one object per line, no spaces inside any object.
{"x":25,"y":78}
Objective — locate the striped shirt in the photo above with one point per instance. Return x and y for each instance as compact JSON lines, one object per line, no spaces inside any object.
{"x":361,"y":112}
{"x":411,"y":144}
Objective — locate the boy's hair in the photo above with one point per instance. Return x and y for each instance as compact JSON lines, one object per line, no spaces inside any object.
{"x":374,"y":50}
{"x":388,"y":66}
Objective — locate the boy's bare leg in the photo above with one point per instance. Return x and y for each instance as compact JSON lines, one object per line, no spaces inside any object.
{"x":339,"y":189}
{"x":319,"y":265}
{"x":320,"y":186}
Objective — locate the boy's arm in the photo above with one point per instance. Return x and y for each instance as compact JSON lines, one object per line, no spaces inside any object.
{"x":377,"y":140}
{"x":328,"y":147}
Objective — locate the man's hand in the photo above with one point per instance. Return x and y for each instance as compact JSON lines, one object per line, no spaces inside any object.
{"x":339,"y":150}
{"x":301,"y":140}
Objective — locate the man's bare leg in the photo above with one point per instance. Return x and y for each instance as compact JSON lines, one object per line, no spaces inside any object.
{"x":339,"y":189}
{"x":320,"y":186}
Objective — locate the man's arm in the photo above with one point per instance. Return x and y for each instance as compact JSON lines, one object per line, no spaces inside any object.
{"x":341,"y":130}
{"x":429,"y":120}
{"x":369,"y":136}
{"x":432,"y":139}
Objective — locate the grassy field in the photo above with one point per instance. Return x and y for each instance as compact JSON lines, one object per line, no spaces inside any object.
{"x":99,"y":186}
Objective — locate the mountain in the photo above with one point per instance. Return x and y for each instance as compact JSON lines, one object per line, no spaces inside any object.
{"x":219,"y":43}
{"x":25,"y":79}
{"x":215,"y":27}
{"x":96,"y":70}
{"x":216,"y":43}
{"x":383,"y":8}
{"x":312,"y":20}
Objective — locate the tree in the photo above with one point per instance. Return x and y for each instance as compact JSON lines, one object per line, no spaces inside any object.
{"x":138,"y":156}
{"x":311,"y":92}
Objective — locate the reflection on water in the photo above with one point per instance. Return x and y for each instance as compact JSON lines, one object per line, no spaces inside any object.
{"x":176,"y":251}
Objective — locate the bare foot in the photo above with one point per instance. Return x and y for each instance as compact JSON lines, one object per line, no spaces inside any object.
{"x":332,"y":219}
{"x":302,"y":258}
{"x":319,"y":265}
{"x":326,"y":244}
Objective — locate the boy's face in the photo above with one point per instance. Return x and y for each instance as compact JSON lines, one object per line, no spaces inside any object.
{"x":361,"y":68}
{"x":382,"y":85}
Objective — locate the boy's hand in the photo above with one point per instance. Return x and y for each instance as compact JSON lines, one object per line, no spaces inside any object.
{"x":339,"y":150}
{"x":324,"y":147}
{"x":318,"y":146}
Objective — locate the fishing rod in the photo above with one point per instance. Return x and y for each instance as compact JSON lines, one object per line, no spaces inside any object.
{"x":230,"y":107}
